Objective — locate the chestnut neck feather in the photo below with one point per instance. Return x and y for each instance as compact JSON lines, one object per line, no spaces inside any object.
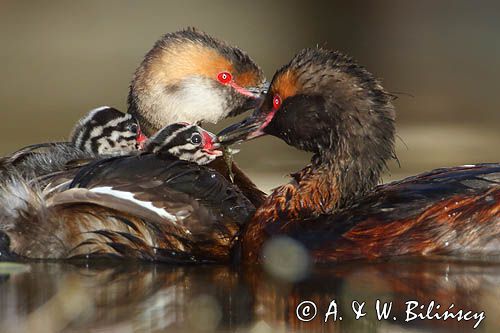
{"x":326,"y":185}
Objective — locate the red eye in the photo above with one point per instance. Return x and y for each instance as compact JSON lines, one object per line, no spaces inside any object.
{"x":276,"y":102}
{"x":224,"y":77}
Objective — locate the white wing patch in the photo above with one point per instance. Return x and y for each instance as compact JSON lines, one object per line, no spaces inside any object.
{"x":130,"y":197}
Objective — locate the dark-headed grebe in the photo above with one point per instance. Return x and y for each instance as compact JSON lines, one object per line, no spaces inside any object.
{"x":323,"y":102}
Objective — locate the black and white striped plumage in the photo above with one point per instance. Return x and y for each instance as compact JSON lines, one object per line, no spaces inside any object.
{"x":150,"y":206}
{"x":104,"y":131}
{"x":186,"y":142}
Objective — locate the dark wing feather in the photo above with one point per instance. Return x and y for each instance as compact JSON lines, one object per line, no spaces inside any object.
{"x":40,"y":148}
{"x":164,"y":177}
{"x":93,"y":219}
{"x":40,"y":159}
{"x":446,"y":211}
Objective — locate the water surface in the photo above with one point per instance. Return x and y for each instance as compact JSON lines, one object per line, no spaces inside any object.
{"x":119,"y":297}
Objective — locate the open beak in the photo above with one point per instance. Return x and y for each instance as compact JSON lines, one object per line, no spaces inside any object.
{"x":255,"y":97}
{"x":249,"y":128}
{"x":211,"y":146}
{"x":252,"y":92}
{"x":260,"y":90}
{"x":258,"y":94}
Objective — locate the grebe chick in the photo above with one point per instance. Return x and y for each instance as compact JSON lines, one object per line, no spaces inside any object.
{"x":186,"y":142}
{"x":156,"y":205}
{"x":104,"y":131}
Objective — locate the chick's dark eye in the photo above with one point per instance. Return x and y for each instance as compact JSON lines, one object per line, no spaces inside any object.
{"x":133,"y":128}
{"x":195,"y":139}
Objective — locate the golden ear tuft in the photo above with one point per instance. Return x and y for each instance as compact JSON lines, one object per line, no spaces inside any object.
{"x":247,"y":79}
{"x":285,"y":85}
{"x":188,"y":59}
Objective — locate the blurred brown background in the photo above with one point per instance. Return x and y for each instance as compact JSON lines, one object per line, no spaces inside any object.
{"x":59,"y":59}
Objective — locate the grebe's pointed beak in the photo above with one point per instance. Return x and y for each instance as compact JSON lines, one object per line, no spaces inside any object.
{"x":254,"y":96}
{"x":249,"y":128}
{"x":261,"y":90}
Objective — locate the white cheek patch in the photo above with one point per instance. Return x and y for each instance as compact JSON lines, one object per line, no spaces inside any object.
{"x":194,"y":100}
{"x":177,"y":150}
{"x":130,"y":197}
{"x":191,"y":153}
{"x":168,"y":139}
{"x":204,"y":158}
{"x":199,"y":157}
{"x":202,"y":102}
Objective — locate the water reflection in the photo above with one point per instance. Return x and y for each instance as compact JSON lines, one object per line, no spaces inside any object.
{"x":48,"y":297}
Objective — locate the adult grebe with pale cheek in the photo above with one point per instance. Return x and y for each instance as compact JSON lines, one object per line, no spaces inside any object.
{"x":323,"y":102}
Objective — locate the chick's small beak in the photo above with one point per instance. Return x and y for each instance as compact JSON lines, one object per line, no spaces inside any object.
{"x":211,"y":145}
{"x":141,"y":140}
